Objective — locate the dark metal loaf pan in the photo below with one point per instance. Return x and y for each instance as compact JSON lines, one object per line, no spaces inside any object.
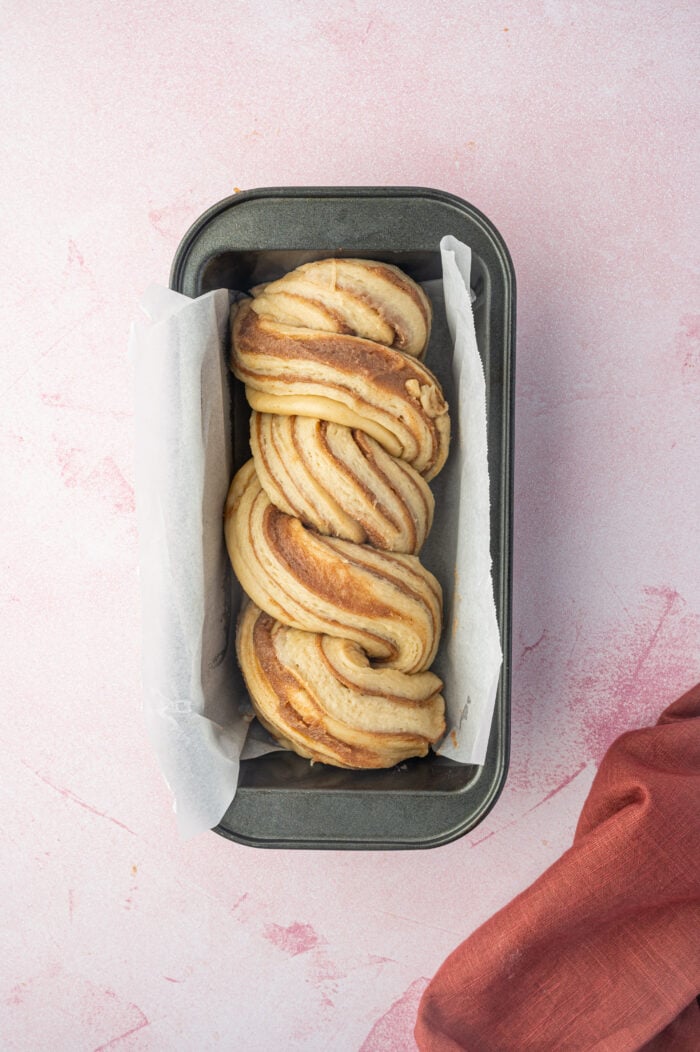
{"x":256,"y":236}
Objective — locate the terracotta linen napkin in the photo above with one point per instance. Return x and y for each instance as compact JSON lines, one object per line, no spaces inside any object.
{"x":602,"y":952}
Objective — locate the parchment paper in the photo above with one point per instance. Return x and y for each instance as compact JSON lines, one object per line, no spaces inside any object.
{"x":470,"y":657}
{"x":196,"y":708}
{"x":183,"y":467}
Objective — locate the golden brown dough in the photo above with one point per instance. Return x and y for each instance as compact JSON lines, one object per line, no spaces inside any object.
{"x":359,"y":297}
{"x":345,"y":380}
{"x":324,"y":524}
{"x":341,"y":482}
{"x":387,"y":602}
{"x":321,"y":698}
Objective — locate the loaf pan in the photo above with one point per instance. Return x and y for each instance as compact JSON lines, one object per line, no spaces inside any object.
{"x":282,"y":801}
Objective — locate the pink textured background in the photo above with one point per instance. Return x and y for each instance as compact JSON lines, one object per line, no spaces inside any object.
{"x":571,"y":125}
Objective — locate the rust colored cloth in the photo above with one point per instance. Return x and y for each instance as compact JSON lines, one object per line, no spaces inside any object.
{"x":602,"y":952}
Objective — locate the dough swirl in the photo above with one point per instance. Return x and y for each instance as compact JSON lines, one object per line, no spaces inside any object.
{"x":323,"y":525}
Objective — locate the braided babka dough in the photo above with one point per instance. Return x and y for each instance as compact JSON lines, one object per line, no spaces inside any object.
{"x":324,"y":523}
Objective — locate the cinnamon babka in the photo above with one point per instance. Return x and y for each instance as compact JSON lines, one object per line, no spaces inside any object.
{"x":324,"y":524}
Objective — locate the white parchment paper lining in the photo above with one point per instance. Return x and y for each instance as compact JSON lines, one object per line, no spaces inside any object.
{"x":195,"y":705}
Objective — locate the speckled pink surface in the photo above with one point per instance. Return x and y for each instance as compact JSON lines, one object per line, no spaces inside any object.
{"x":571,"y":125}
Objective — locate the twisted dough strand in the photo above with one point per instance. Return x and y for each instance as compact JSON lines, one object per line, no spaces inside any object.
{"x":341,"y":482}
{"x":354,"y":296}
{"x":324,"y":523}
{"x":387,"y":602}
{"x":319,"y":697}
{"x":345,"y":380}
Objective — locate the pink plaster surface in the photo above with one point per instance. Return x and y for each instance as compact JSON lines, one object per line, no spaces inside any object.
{"x":572,"y":126}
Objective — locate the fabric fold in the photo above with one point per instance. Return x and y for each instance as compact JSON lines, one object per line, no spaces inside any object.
{"x":603,"y":950}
